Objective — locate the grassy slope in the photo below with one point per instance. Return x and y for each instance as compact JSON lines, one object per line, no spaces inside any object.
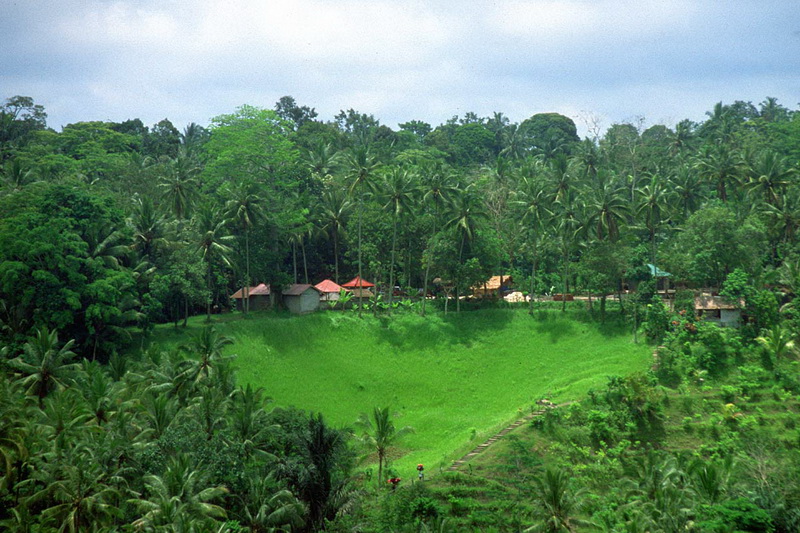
{"x":456,"y":379}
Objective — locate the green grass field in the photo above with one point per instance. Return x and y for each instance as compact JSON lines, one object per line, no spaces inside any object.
{"x":456,"y":379}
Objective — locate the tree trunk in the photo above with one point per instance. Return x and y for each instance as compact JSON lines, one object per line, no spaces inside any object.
{"x":247,"y":279}
{"x":428,"y":268}
{"x":531,"y":294}
{"x":336,"y":255}
{"x":294,"y":260}
{"x":391,"y":266}
{"x":360,"y":278}
{"x":208,"y":296}
{"x":305,"y":263}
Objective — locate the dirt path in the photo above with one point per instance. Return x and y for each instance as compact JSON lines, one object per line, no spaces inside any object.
{"x":499,"y":435}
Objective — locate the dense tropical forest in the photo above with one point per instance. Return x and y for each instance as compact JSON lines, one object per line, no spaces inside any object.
{"x":110,"y":232}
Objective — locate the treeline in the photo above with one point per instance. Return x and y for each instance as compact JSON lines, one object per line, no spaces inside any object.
{"x":107,"y":225}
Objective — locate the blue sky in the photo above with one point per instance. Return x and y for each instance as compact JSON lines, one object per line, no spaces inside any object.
{"x":599,"y":62}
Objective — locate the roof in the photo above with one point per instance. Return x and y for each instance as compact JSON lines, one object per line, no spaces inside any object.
{"x":328,"y":286}
{"x":705,"y":302}
{"x":259,"y":290}
{"x":358,"y":282}
{"x":298,"y":288}
{"x":495,"y":282}
{"x":657,"y":272}
{"x":365,"y":293}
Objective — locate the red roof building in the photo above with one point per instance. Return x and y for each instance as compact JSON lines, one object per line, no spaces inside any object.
{"x":329,"y":289}
{"x":358,"y":282}
{"x":260,"y":297}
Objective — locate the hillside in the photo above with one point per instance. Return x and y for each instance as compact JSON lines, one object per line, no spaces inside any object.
{"x":455,"y":379}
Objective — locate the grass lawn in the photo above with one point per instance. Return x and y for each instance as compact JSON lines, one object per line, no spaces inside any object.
{"x":456,"y":379}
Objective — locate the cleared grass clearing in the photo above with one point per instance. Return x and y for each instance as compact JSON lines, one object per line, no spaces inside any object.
{"x":456,"y":378}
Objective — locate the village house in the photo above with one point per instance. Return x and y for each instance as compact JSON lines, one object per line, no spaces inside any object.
{"x":260,"y":297}
{"x":718,"y":310}
{"x":495,"y":287}
{"x":301,"y":298}
{"x":329,"y":290}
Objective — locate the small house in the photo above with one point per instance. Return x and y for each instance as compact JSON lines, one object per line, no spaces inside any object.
{"x":329,"y":290}
{"x":260,"y":297}
{"x":359,"y":283}
{"x":301,"y":298}
{"x":718,"y":310}
{"x":495,"y":287}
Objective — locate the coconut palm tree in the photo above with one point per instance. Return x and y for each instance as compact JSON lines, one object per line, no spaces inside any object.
{"x":334,"y":209}
{"x":380,"y":434}
{"x":244,"y":210}
{"x":78,"y":495}
{"x":769,"y":174}
{"x":207,"y":347}
{"x":687,"y":189}
{"x":556,"y":502}
{"x":438,"y":189}
{"x":181,"y":491}
{"x":607,"y":209}
{"x":466,"y":213}
{"x":721,"y":166}
{"x":44,"y":365}
{"x":653,"y":202}
{"x":180,"y":184}
{"x":533,"y":198}
{"x":397,"y":189}
{"x":361,"y":169}
{"x":213,"y":243}
{"x":267,"y":506}
{"x":778,"y":343}
{"x":148,"y":228}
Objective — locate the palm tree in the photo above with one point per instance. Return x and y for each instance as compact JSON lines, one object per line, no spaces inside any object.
{"x":721,"y":166}
{"x":212,"y":243}
{"x":466,"y":214}
{"x":533,"y":197}
{"x":769,"y":174}
{"x":567,"y":225}
{"x":607,"y":209}
{"x":12,"y":429}
{"x":778,"y":343}
{"x":439,"y":187}
{"x":16,"y":176}
{"x":321,"y":159}
{"x":397,"y":188}
{"x":361,"y":168}
{"x":334,"y":210}
{"x":44,"y":365}
{"x":652,"y":205}
{"x":266,"y":506}
{"x":244,"y":210}
{"x":181,"y":491}
{"x":556,"y":502}
{"x":687,"y":189}
{"x":79,"y":494}
{"x":207,"y":346}
{"x":380,"y":434}
{"x":179,"y":184}
{"x":148,"y":228}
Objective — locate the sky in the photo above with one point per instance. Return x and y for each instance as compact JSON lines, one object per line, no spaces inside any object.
{"x":598,"y":62}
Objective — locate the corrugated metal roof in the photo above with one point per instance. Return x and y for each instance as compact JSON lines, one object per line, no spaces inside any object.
{"x":328,"y":286}
{"x":365,"y":293}
{"x":259,"y":290}
{"x":706,"y":302}
{"x":494,"y":283}
{"x":358,"y":282}
{"x":298,"y":288}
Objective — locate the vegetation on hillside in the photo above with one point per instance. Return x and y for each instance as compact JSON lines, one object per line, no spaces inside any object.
{"x":110,"y":229}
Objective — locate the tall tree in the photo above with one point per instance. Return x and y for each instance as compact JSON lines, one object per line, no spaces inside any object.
{"x":213,"y":243}
{"x":379,"y":433}
{"x":397,"y":189}
{"x":361,"y":169}
{"x":244,"y":211}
